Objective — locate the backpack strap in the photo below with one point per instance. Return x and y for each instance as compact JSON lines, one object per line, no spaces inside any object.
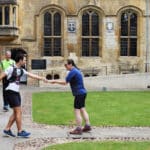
{"x":22,"y":72}
{"x":14,"y":77}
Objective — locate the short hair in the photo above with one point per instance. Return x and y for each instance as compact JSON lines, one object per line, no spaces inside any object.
{"x":19,"y":57}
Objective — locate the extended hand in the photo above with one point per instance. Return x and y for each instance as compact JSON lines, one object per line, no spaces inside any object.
{"x":44,"y":80}
{"x":52,"y":81}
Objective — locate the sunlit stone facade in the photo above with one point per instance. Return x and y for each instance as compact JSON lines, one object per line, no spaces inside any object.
{"x":102,"y":36}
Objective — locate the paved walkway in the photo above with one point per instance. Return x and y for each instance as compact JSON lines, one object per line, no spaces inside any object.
{"x":43,"y":135}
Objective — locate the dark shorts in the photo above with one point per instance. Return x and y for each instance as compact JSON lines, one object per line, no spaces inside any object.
{"x":13,"y":98}
{"x":79,"y":101}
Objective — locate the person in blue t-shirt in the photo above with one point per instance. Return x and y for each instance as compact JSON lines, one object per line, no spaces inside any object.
{"x":79,"y":92}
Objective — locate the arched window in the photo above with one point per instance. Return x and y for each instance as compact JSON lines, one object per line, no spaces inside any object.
{"x":90,"y":33}
{"x":128,"y":35}
{"x":52,"y":33}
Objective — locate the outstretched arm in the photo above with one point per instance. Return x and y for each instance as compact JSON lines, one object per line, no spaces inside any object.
{"x":34,"y":76}
{"x":58,"y":82}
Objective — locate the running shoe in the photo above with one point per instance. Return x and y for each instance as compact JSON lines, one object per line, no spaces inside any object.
{"x":23,"y":134}
{"x":9,"y":133}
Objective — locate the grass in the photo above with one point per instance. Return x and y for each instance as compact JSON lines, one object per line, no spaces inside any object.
{"x":104,"y":108}
{"x":101,"y":146}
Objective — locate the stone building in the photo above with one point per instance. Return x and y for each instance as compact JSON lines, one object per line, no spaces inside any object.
{"x":102,"y":36}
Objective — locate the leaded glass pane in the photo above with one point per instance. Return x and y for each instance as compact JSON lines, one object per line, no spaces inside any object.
{"x":95,"y":24}
{"x":133,"y":24}
{"x":57,"y":24}
{"x":47,"y":24}
{"x":47,"y":47}
{"x":57,"y":47}
{"x":133,"y":47}
{"x":52,"y":29}
{"x":0,"y":15}
{"x":124,"y":24}
{"x":124,"y":47}
{"x":85,"y":25}
{"x":6,"y":15}
{"x":85,"y":47}
{"x":95,"y":47}
{"x":128,"y":29}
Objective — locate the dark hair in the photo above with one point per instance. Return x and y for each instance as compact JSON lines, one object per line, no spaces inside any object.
{"x":19,"y":57}
{"x":71,"y":61}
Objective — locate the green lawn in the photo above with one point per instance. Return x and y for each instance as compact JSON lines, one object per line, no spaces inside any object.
{"x":104,"y":108}
{"x":101,"y":146}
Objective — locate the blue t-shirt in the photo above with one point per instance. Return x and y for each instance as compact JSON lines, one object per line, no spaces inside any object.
{"x":75,"y":79}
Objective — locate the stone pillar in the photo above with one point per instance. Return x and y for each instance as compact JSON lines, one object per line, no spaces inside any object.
{"x":3,"y":15}
{"x":147,"y":63}
{"x":16,"y":16}
{"x":10,"y":15}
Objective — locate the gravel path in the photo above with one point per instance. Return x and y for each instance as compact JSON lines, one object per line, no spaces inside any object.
{"x":43,"y":135}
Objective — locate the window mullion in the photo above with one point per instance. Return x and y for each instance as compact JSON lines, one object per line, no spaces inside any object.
{"x":16,"y":16}
{"x":128,"y":46}
{"x":90,"y":47}
{"x":52,"y":45}
{"x":128,"y":35}
{"x":90,"y":36}
{"x":10,"y":15}
{"x":52,"y":23}
{"x":52,"y":38}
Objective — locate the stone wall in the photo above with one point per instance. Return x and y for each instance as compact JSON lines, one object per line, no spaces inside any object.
{"x":30,"y":25}
{"x":111,"y":82}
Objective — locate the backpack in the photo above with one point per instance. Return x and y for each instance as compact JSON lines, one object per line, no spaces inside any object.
{"x":14,"y":77}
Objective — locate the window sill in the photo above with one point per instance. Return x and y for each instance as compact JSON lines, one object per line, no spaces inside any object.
{"x":8,"y":31}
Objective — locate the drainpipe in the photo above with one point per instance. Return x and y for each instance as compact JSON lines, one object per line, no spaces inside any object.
{"x":147,"y":35}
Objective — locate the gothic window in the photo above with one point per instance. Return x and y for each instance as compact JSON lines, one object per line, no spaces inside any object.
{"x":90,"y":33}
{"x":52,"y":33}
{"x":128,"y":35}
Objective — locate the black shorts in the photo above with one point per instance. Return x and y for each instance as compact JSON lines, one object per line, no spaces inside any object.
{"x":13,"y":98}
{"x":79,"y":101}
